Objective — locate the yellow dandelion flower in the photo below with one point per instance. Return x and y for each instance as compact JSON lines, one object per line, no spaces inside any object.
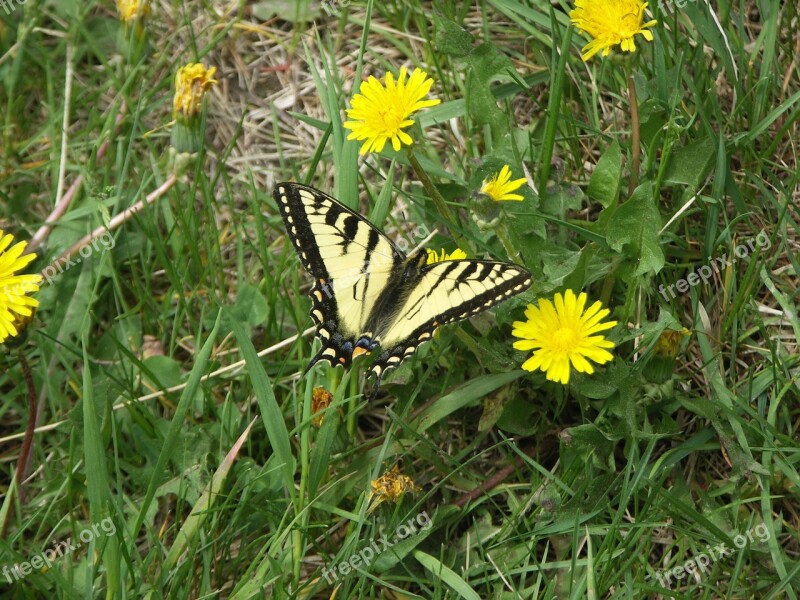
{"x":390,"y":487}
{"x":380,"y":111}
{"x":500,"y":187}
{"x":456,"y":254}
{"x":611,"y":23}
{"x":14,"y":302}
{"x":131,"y":9}
{"x":320,"y":400}
{"x":192,"y":81}
{"x":564,"y":335}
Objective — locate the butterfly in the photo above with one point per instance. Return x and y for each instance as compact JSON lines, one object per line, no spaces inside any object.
{"x":368,"y":296}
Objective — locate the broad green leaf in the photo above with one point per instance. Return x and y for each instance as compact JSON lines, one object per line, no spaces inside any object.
{"x":559,"y":263}
{"x":162,"y":371}
{"x":603,"y":382}
{"x":605,"y":181}
{"x":691,"y":164}
{"x":562,"y":199}
{"x":451,"y":38}
{"x":251,"y":307}
{"x":520,"y":417}
{"x":636,"y":224}
{"x":487,"y":63}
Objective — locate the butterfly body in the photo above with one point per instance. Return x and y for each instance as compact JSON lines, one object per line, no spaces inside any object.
{"x":368,"y":296}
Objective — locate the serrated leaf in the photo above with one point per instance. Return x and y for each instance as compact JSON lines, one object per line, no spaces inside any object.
{"x":564,"y":198}
{"x":451,"y":38}
{"x":518,"y":417}
{"x":691,"y":164}
{"x":634,"y":226}
{"x":487,"y":63}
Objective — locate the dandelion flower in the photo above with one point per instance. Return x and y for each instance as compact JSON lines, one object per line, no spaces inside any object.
{"x":564,"y":335}
{"x":192,"y":81}
{"x":320,"y":400}
{"x":15,"y":305}
{"x":391,"y":486}
{"x":456,"y":254}
{"x":669,"y":342}
{"x":380,"y":111}
{"x":500,"y":187}
{"x":610,"y":23}
{"x":660,"y":367}
{"x":131,"y":9}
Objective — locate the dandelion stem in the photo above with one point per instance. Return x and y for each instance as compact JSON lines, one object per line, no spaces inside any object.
{"x":502,"y":234}
{"x":636,"y":150}
{"x":24,"y":463}
{"x":300,"y":513}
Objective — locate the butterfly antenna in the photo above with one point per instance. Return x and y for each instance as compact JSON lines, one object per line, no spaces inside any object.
{"x":423,"y":242}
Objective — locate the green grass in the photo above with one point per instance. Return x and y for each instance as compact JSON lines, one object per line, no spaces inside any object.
{"x":159,"y":417}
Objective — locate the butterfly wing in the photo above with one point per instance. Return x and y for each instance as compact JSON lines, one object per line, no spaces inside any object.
{"x":351,"y":261}
{"x":445,"y":292}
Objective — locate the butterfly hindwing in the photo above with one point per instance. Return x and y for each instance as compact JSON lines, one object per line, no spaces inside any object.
{"x":445,"y":292}
{"x":351,"y":260}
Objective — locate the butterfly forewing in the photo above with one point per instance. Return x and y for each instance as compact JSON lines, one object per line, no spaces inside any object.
{"x":350,"y":259}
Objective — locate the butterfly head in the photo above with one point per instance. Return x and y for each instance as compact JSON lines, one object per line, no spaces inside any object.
{"x":413,"y":265}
